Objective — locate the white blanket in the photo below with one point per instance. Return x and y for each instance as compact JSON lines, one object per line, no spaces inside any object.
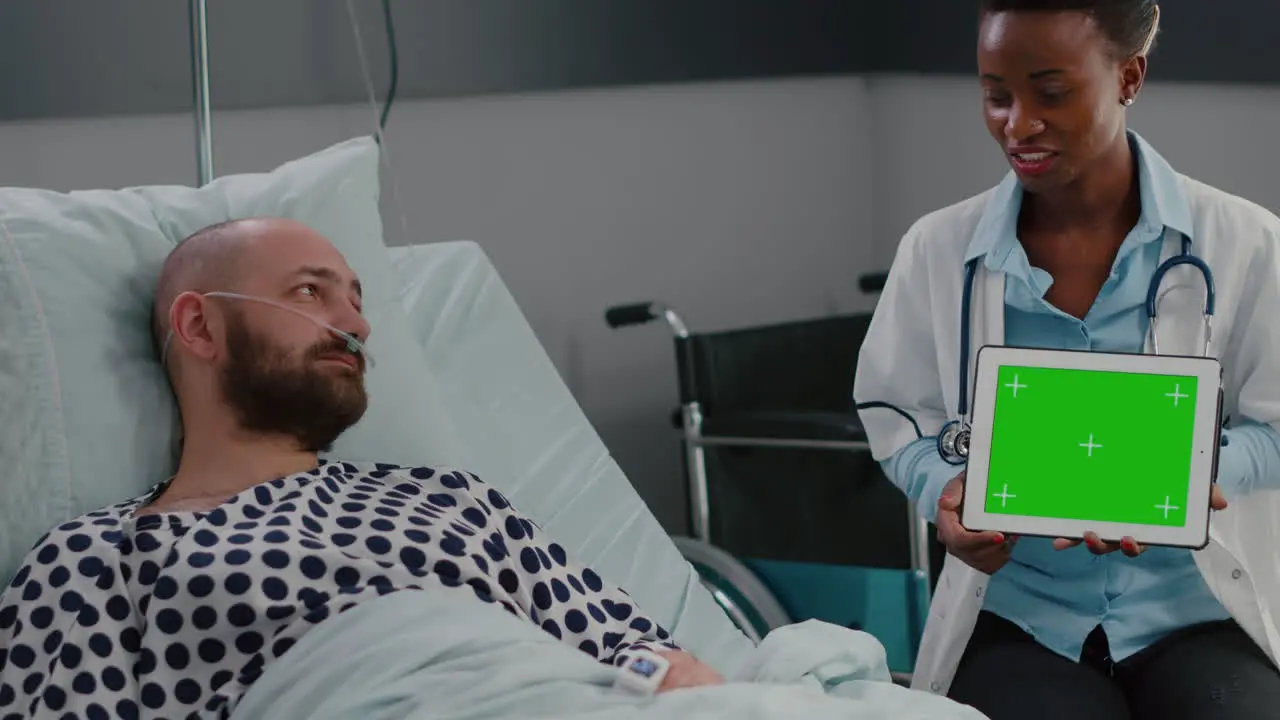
{"x":443,"y":655}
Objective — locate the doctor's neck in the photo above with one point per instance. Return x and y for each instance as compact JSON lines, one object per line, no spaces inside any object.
{"x":1104,"y":200}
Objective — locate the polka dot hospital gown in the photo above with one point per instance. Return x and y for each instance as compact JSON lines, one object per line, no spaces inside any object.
{"x":176,"y":615}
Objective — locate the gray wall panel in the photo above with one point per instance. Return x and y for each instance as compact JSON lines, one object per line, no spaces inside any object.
{"x":77,"y":57}
{"x":67,"y":58}
{"x":61,"y":58}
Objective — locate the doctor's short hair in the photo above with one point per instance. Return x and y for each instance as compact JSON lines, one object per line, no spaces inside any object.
{"x":1130,"y":25}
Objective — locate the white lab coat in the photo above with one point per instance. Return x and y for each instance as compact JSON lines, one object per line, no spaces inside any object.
{"x":910,"y":359}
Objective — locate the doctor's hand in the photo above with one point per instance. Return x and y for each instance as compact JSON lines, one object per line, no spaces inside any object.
{"x":1128,"y":545}
{"x":985,"y":552}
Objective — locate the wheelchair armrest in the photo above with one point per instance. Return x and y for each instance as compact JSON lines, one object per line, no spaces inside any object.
{"x":837,"y":427}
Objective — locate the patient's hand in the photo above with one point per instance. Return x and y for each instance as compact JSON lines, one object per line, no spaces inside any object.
{"x":687,"y":671}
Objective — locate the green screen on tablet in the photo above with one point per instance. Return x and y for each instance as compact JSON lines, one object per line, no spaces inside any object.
{"x":1091,"y":445}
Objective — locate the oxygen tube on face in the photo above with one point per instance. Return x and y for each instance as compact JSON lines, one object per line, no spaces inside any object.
{"x":354,"y":345}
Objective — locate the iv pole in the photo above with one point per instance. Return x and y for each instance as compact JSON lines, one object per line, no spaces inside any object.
{"x":200,"y":85}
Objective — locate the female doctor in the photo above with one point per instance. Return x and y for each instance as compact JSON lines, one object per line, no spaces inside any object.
{"x":1063,"y":251}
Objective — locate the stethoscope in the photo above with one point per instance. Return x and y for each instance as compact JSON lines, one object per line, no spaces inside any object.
{"x":953,"y":439}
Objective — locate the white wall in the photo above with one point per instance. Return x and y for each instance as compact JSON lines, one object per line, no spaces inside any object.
{"x":738,"y":203}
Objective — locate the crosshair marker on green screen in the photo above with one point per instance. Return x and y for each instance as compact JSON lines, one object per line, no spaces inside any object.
{"x":1092,"y":445}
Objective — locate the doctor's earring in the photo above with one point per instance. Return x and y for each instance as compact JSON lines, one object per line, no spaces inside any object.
{"x":1126,"y":101}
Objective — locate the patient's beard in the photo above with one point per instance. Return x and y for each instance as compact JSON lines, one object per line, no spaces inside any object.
{"x":275,"y":392}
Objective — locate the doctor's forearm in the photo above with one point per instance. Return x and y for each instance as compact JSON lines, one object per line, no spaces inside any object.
{"x":921,"y":473}
{"x":1250,"y":461}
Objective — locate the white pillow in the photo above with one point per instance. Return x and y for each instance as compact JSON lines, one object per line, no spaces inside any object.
{"x":86,"y":416}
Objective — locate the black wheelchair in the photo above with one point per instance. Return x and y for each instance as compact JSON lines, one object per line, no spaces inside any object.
{"x":790,"y":518}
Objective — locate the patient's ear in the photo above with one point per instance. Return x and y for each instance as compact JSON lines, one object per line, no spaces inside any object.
{"x":190,"y":326}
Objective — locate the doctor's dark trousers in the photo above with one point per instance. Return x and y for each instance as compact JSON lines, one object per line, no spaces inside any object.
{"x":1212,"y":671}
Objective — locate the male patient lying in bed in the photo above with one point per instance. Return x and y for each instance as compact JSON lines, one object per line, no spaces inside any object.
{"x":175,"y":602}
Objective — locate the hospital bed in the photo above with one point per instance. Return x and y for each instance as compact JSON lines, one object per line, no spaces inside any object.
{"x":790,"y":518}
{"x":460,"y":380}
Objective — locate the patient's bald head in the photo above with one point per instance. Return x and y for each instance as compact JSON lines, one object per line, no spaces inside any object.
{"x":203,"y":262}
{"x":271,"y":370}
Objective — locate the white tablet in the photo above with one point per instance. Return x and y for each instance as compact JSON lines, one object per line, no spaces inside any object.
{"x":1066,"y":442}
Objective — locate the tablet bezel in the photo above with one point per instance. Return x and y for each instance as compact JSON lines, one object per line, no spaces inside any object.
{"x":1204,"y":458}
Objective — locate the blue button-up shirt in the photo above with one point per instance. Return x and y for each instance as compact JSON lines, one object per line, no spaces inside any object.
{"x":1060,"y":596}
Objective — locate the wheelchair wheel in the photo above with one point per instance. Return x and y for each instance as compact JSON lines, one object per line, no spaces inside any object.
{"x":737,"y":590}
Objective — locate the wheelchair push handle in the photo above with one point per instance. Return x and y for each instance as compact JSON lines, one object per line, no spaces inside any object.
{"x":872,"y":282}
{"x":620,"y":316}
